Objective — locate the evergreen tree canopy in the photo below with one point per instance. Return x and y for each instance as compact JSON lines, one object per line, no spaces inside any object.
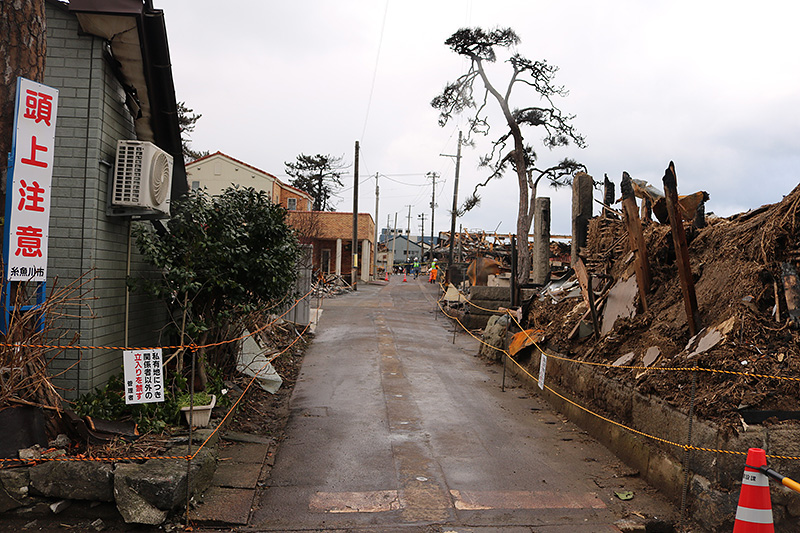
{"x":318,"y":175}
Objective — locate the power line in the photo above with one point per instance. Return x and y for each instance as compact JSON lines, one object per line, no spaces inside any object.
{"x":351,"y":187}
{"x":375,"y":70}
{"x":403,"y":183}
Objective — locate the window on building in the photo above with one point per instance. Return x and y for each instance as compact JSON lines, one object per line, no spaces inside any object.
{"x":195,"y":185}
{"x":291,"y":204}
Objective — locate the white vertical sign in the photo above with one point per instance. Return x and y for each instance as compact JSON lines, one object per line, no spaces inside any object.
{"x":144,"y":379}
{"x":542,"y":370}
{"x":28,"y":211}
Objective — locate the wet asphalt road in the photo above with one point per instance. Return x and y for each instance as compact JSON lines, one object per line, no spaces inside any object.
{"x":395,"y":428}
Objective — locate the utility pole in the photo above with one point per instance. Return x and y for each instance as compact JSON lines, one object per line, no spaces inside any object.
{"x":433,"y":176}
{"x":421,"y":216}
{"x":388,"y":229}
{"x":455,"y":203}
{"x":354,"y":257}
{"x":375,"y":254}
{"x":408,"y":230}
{"x":394,"y":241}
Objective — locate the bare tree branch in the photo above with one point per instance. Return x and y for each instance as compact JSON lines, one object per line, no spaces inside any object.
{"x":481,"y":46}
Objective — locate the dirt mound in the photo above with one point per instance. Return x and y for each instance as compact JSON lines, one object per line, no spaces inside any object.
{"x":736,"y":264}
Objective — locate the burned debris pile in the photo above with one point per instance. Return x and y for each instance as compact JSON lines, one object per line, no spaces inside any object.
{"x":743,"y":271}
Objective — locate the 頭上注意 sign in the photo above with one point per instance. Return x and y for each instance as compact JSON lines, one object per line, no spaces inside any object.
{"x":30,"y":181}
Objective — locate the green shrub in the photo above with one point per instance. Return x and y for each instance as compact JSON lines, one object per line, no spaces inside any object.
{"x":108,"y":402}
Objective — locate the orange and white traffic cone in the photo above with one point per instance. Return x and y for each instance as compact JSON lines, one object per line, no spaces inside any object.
{"x":404,"y":277}
{"x":387,"y":275}
{"x":754,"y":514}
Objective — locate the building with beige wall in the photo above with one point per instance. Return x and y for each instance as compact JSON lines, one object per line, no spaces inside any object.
{"x":331,"y":236}
{"x":216,"y":172}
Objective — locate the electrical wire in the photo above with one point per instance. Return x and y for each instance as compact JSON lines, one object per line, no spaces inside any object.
{"x":403,"y":183}
{"x":375,"y":70}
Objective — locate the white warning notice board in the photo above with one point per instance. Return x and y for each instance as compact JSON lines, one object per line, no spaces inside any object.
{"x":144,"y":379}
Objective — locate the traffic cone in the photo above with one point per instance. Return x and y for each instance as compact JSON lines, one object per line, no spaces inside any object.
{"x":754,"y":514}
{"x":387,"y":275}
{"x":404,"y":277}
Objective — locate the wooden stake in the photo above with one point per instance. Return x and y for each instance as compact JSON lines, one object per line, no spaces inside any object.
{"x":585,"y":280}
{"x":630,"y":216}
{"x":608,"y":198}
{"x":681,"y":249}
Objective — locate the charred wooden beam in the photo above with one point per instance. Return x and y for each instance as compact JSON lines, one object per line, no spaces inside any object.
{"x":630,"y":216}
{"x":582,"y":205}
{"x":681,"y":249}
{"x":585,"y":281}
{"x":608,"y":198}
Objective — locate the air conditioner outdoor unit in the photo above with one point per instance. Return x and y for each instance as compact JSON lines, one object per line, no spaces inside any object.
{"x":142,"y":176}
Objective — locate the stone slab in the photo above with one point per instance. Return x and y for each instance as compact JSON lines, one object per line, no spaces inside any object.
{"x":243,"y":453}
{"x":222,"y":505}
{"x":233,"y":436}
{"x":236,"y":475}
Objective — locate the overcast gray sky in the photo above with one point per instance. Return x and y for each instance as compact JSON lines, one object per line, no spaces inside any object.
{"x":713,"y":86}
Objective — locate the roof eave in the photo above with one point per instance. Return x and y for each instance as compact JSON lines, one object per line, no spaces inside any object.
{"x":147,"y":65}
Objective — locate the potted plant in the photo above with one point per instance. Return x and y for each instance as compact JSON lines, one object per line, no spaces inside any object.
{"x":200,"y":407}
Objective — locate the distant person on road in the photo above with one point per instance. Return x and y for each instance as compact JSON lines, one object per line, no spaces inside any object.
{"x":415,"y":269}
{"x":434,"y":271}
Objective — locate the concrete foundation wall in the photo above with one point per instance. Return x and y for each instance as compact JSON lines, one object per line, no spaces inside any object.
{"x":715,"y":477}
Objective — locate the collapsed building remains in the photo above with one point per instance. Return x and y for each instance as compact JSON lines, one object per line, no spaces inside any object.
{"x":711,"y":334}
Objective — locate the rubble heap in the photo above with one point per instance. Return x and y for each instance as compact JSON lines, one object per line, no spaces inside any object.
{"x":742,"y":269}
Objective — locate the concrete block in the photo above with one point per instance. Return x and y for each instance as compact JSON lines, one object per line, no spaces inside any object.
{"x":14,"y":490}
{"x":73,"y":480}
{"x":490,"y":293}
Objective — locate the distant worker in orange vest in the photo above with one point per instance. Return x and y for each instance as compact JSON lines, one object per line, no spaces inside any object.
{"x":433,"y":272}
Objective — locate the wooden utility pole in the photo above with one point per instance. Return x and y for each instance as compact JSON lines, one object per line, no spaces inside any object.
{"x":455,"y":208}
{"x":681,"y":249}
{"x":375,"y":254}
{"x":394,"y":242}
{"x":433,"y":176}
{"x":354,"y":256}
{"x":630,"y":216}
{"x":421,"y":216}
{"x":388,"y":232}
{"x":408,"y":232}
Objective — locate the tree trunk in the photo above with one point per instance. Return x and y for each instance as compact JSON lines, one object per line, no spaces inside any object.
{"x":23,"y":43}
{"x":318,"y":204}
{"x":526,"y":206}
{"x":524,"y":221}
{"x":201,"y":365}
